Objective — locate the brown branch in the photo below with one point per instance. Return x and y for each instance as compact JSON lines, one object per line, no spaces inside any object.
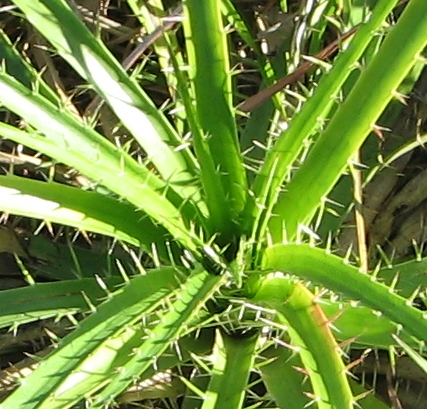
{"x":261,"y":97}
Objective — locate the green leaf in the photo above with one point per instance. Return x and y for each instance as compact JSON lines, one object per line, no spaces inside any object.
{"x":406,"y":277}
{"x":281,"y":364}
{"x":280,"y":159}
{"x":44,"y":300}
{"x":198,"y":288}
{"x":59,"y":24}
{"x":208,"y":56}
{"x":366,"y":401}
{"x":232,"y":358}
{"x":90,"y":352}
{"x":316,"y":265}
{"x":308,"y":328}
{"x":84,"y":210}
{"x":362,"y":326}
{"x":71,"y":142}
{"x":18,"y":67}
{"x":362,"y":108}
{"x":414,"y":355}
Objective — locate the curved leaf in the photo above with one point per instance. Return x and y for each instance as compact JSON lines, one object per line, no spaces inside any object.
{"x":71,"y":142}
{"x":308,"y":328}
{"x":44,"y":300}
{"x":85,"y":210}
{"x":316,"y":265}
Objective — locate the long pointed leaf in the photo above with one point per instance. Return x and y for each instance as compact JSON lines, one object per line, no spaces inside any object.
{"x":361,"y":109}
{"x":71,"y":142}
{"x":51,"y":385}
{"x":208,"y":57}
{"x":233,"y":358}
{"x":44,"y":300}
{"x":60,"y":25}
{"x":192,"y":297}
{"x":281,"y":158}
{"x":85,"y":210}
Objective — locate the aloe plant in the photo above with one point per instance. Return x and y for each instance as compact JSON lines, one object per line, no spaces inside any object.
{"x":238,"y":252}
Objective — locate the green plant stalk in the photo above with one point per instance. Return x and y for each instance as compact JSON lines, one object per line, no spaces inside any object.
{"x":280,"y":159}
{"x":310,"y":334}
{"x":315,"y":264}
{"x":353,"y":321}
{"x":210,"y":180}
{"x":318,"y":21}
{"x":233,"y":358}
{"x":208,"y":57}
{"x":318,"y":175}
